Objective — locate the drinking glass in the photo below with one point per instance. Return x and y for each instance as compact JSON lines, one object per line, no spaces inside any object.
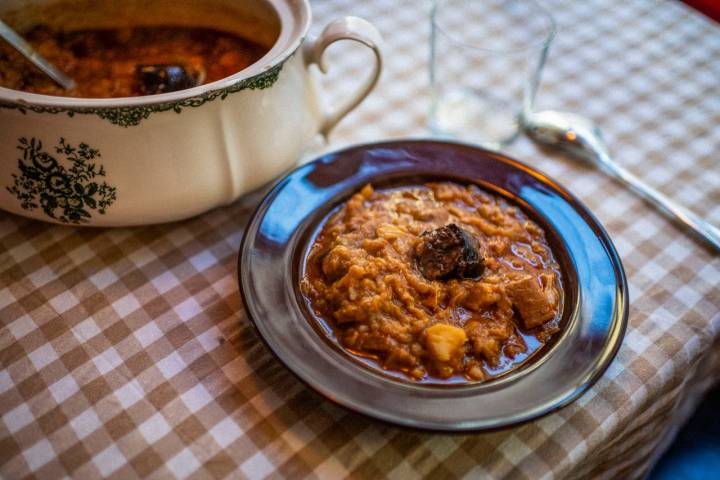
{"x":486,"y":57}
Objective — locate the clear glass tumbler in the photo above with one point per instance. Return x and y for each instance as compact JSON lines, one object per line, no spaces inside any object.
{"x":486,"y":57}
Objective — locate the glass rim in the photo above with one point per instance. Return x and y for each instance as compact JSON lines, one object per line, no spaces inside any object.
{"x":538,"y":45}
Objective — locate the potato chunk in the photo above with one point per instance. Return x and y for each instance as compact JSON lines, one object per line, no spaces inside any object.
{"x":445,"y":342}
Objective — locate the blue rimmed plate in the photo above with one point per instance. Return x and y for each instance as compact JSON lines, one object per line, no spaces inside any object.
{"x":281,"y":230}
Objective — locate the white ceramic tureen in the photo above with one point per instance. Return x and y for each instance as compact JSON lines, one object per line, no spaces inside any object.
{"x":141,"y":160}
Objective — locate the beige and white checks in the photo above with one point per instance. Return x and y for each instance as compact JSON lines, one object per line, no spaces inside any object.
{"x":125,"y":353}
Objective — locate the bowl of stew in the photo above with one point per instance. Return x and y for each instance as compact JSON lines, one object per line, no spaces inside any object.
{"x":440,"y":282}
{"x":177,"y":109}
{"x":433,"y":285}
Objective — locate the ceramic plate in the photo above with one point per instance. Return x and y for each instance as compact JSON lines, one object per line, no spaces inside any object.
{"x":283,"y":227}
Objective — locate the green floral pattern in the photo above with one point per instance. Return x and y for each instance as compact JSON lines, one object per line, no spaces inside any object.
{"x":64,"y":194}
{"x":132,"y":116}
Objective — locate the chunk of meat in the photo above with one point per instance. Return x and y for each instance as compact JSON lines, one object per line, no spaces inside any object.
{"x":448,"y":252}
{"x":164,"y":78}
{"x":535,"y":302}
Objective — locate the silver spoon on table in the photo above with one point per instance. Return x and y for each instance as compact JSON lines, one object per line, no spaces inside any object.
{"x":579,"y":137}
{"x":33,"y":56}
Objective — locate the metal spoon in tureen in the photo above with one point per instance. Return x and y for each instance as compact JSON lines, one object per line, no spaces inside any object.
{"x":34,"y":57}
{"x":582,"y":139}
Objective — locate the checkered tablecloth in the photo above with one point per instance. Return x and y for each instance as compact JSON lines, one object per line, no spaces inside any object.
{"x":126,"y":352}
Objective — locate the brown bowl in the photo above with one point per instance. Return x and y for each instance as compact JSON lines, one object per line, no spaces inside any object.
{"x":278,"y":237}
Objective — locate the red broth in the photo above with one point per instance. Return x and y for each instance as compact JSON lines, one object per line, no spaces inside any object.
{"x":106,"y":63}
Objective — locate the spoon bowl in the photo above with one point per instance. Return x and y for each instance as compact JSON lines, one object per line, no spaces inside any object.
{"x":570,"y":132}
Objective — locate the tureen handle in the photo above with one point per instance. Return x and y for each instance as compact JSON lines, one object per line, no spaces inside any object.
{"x":347,"y":28}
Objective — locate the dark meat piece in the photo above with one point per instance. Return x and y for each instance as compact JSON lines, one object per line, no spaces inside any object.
{"x":164,"y":78}
{"x":449,"y":252}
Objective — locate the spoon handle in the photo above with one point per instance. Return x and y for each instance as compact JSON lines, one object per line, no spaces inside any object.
{"x":33,"y":56}
{"x":702,"y":227}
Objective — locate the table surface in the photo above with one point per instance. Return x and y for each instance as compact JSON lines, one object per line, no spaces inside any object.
{"x":126,"y":352}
